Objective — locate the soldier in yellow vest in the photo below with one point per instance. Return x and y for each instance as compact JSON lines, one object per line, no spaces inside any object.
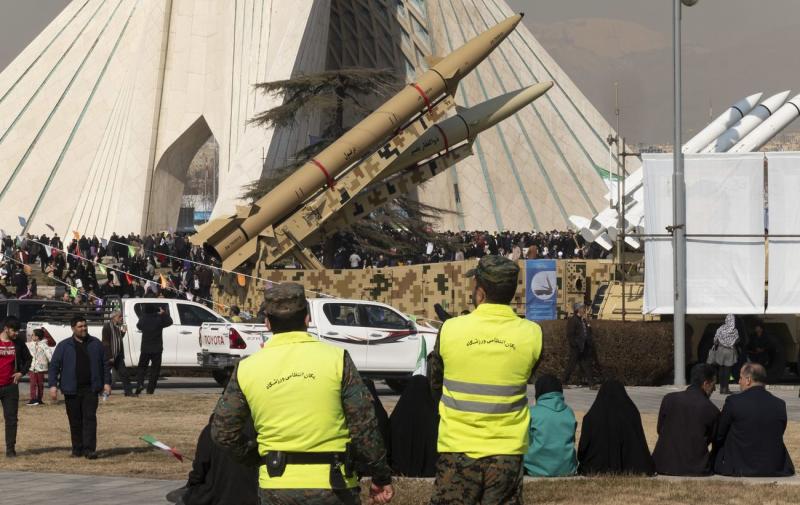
{"x":312,"y":414}
{"x":481,"y":366}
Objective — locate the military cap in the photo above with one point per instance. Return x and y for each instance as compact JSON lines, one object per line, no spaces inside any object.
{"x":285,"y":299}
{"x":495,"y":270}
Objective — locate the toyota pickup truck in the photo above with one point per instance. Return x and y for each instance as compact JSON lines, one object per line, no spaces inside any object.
{"x":193,"y":324}
{"x":383,"y":342}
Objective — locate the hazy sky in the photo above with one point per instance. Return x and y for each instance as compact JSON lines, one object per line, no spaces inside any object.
{"x":732,"y":48}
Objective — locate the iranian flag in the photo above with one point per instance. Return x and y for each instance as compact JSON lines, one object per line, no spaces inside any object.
{"x":161,"y":445}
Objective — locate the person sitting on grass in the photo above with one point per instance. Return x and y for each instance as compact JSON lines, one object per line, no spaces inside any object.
{"x":216,"y":478}
{"x":551,"y":452}
{"x":687,"y":423}
{"x":750,"y":437}
{"x":612,"y":436}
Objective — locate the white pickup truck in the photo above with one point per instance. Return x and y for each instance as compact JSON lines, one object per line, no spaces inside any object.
{"x":192,"y":325}
{"x":383,"y":342}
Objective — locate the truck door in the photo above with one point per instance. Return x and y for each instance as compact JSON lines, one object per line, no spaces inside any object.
{"x":393,"y":342}
{"x":190,"y":318}
{"x":343,"y":327}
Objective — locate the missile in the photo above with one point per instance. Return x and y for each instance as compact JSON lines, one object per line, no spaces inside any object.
{"x":466,"y":125}
{"x":740,"y":130}
{"x":779,"y":120}
{"x":237,"y":235}
{"x":725,"y":120}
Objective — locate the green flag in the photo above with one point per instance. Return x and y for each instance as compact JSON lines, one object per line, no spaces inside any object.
{"x":73,"y":291}
{"x":131,"y":251}
{"x":102,"y":268}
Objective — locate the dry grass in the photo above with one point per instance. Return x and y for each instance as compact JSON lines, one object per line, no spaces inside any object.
{"x":44,"y":446}
{"x":43,"y":442}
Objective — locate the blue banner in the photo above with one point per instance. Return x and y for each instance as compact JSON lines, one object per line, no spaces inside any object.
{"x":541,"y":290}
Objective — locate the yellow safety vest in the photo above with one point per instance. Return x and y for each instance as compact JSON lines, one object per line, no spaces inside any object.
{"x":488,"y":357}
{"x":293,"y":387}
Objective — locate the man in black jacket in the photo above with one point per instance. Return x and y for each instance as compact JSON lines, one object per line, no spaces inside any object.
{"x":151,"y":324}
{"x":581,"y":346}
{"x":750,"y":436}
{"x":80,"y":369}
{"x":687,"y":424}
{"x":113,"y":343}
{"x":15,"y":361}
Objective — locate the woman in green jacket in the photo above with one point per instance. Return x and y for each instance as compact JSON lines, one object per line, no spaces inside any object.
{"x":551,"y":452}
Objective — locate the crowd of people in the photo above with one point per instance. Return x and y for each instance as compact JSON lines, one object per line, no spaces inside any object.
{"x":458,"y":246}
{"x":467,"y":421}
{"x":89,"y":269}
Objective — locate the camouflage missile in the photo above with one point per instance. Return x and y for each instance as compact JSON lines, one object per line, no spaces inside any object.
{"x":466,"y":125}
{"x":235,"y":238}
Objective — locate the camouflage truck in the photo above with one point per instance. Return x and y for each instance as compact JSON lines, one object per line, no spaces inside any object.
{"x":783,"y":330}
{"x":412,"y":289}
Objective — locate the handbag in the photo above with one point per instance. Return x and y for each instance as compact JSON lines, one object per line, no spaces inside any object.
{"x":712,"y":355}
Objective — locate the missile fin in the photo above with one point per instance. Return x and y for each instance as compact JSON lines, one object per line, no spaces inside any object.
{"x":207,"y":231}
{"x":245,"y":211}
{"x":268,"y":232}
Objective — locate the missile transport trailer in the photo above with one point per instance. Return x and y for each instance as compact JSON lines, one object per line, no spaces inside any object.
{"x":783,"y":330}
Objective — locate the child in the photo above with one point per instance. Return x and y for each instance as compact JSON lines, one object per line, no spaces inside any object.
{"x":41,"y":354}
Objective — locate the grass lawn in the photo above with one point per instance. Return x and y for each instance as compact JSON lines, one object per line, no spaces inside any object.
{"x":43,"y":446}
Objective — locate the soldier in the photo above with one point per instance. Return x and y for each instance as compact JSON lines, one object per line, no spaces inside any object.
{"x":481,"y":366}
{"x":308,"y":404}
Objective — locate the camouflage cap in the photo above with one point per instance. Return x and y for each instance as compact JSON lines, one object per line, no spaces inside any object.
{"x":285,"y":299}
{"x":495,"y":270}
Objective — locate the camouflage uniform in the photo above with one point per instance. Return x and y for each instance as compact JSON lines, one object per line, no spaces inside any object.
{"x":488,"y":481}
{"x":461,"y":479}
{"x":232,"y":412}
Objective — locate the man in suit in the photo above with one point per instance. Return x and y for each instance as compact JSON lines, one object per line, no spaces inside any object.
{"x":581,"y":346}
{"x":750,"y":436}
{"x":687,"y":424}
{"x":151,"y":324}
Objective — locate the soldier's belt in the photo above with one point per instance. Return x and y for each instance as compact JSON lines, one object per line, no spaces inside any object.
{"x":302,"y":458}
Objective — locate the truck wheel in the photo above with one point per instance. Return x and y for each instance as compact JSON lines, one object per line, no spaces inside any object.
{"x":222,"y":376}
{"x":397,"y":385}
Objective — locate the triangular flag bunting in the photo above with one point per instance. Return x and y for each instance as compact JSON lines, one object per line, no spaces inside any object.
{"x":241,"y":280}
{"x":22,"y":221}
{"x":161,"y":445}
{"x":73,"y":292}
{"x":128,"y":278}
{"x":102,"y":268}
{"x":164,"y":284}
{"x":76,"y":234}
{"x":131,"y":251}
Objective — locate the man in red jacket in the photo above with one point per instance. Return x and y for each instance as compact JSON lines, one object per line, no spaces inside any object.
{"x":15,"y":361}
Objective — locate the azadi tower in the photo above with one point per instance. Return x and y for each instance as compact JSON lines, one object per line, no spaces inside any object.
{"x":102,"y":113}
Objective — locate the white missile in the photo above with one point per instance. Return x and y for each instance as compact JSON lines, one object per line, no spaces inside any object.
{"x":779,"y":120}
{"x":725,"y":120}
{"x":740,"y":130}
{"x":466,"y":125}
